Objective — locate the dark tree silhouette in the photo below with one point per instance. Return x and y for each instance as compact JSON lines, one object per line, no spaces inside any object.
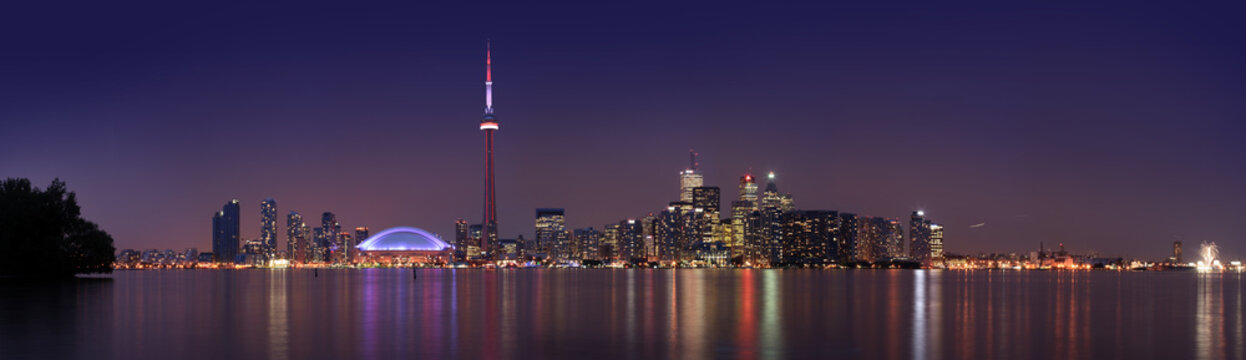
{"x":42,"y":233}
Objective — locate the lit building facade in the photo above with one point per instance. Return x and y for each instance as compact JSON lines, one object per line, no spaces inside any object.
{"x":298,"y":236}
{"x":551,"y":233}
{"x":461,"y":237}
{"x":268,"y":226}
{"x":330,"y":242}
{"x":689,"y":179}
{"x":919,"y":237}
{"x":589,"y":243}
{"x":705,"y":203}
{"x":631,"y":241}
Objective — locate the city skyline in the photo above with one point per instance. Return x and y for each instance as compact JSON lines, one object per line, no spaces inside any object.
{"x":1034,"y":146}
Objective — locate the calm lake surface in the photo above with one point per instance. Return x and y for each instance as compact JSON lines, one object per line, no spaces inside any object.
{"x":604,"y":313}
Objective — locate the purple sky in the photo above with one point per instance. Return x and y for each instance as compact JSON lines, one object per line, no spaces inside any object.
{"x":1112,"y":127}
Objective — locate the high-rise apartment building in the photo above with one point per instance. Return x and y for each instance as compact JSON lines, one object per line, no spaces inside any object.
{"x":268,"y":227}
{"x":298,"y":238}
{"x":226,"y":236}
{"x":919,"y":237}
{"x":330,"y":241}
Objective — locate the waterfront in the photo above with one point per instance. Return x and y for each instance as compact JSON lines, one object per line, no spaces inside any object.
{"x":641,"y":313}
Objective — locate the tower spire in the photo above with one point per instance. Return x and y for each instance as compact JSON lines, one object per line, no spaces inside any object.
{"x":692,"y":154}
{"x":488,"y":77}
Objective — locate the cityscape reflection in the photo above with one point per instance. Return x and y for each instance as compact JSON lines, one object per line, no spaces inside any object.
{"x":638,"y":313}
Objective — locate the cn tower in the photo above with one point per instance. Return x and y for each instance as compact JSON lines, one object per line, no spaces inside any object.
{"x":489,"y":124}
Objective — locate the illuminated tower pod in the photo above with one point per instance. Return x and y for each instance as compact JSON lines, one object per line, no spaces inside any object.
{"x":489,"y":124}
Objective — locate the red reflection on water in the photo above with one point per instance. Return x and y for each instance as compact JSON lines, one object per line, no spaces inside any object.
{"x":746,"y":339}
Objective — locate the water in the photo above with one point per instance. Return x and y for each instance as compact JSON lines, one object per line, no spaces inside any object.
{"x":588,"y":314}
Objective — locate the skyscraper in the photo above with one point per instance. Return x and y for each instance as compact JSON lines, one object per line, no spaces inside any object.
{"x":347,"y":248}
{"x":631,"y":241}
{"x":706,"y":204}
{"x":895,"y":238}
{"x":936,"y":242}
{"x":690,"y":178}
{"x":361,"y":234}
{"x":810,"y":237}
{"x":489,"y":124}
{"x":298,"y":237}
{"x":846,"y":239}
{"x":746,"y":203}
{"x":878,"y":239}
{"x":551,"y":234}
{"x":748,"y":188}
{"x":330,"y":241}
{"x":919,"y":237}
{"x":268,"y":226}
{"x":589,"y":243}
{"x":460,"y":239}
{"x":609,"y":248}
{"x":774,"y":207}
{"x":225,"y":232}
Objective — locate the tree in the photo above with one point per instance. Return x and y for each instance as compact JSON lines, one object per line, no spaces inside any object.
{"x":43,"y":234}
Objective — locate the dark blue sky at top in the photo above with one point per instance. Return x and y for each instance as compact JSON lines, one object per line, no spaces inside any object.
{"x":1109,"y":127}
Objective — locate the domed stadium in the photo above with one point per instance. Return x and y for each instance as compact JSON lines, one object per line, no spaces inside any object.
{"x":405,"y":245}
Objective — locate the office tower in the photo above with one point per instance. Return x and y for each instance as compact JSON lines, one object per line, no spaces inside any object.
{"x":489,"y":124}
{"x":609,"y":249}
{"x":685,"y":232}
{"x":330,"y":242}
{"x":361,"y":235}
{"x":461,"y":237}
{"x":774,"y":207}
{"x":551,"y":233}
{"x":348,"y":248}
{"x":474,"y":232}
{"x":297,"y":237}
{"x":919,"y":237}
{"x":755,"y":246}
{"x":590,"y":243}
{"x":649,"y":232}
{"x":268,"y":226}
{"x":936,"y":242}
{"x":705,"y":202}
{"x":740,"y":208}
{"x":809,"y":237}
{"x":631,"y":241}
{"x":225,"y":232}
{"x":316,"y":250}
{"x":690,"y":178}
{"x":1176,"y":252}
{"x":748,"y":188}
{"x":846,"y":239}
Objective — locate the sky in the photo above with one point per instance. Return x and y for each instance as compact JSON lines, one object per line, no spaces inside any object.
{"x":1112,"y":128}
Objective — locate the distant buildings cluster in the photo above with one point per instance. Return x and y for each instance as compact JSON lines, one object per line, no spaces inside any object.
{"x":761,"y":230}
{"x":326,"y":243}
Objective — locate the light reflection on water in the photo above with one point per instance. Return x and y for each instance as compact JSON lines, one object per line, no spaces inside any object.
{"x":745,"y":314}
